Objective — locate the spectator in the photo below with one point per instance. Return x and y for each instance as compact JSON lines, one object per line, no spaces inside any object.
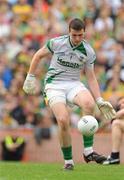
{"x":104,"y":21}
{"x":119,"y":25}
{"x":5,"y":71}
{"x":13,"y":148}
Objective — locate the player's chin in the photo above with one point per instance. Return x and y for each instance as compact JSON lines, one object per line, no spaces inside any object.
{"x":77,"y":43}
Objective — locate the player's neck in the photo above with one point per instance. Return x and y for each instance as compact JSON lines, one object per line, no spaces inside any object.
{"x":72,"y":44}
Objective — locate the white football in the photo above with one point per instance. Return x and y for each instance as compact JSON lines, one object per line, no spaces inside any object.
{"x":87,"y":125}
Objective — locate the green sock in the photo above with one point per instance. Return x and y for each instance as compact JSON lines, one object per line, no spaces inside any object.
{"x":67,"y":152}
{"x":88,"y":141}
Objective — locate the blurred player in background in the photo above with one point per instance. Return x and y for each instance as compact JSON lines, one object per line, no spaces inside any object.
{"x":70,"y":53}
{"x":117,"y":134}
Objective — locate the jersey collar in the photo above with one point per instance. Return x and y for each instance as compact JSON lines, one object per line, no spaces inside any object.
{"x":79,"y":47}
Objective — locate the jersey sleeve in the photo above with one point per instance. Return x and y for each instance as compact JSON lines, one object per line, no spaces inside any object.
{"x":49,"y":45}
{"x":91,"y":58}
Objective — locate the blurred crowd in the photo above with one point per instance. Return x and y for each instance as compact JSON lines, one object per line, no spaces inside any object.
{"x":25,"y":25}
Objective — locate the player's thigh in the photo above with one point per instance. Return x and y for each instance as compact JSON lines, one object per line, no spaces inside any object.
{"x":61,"y":113}
{"x":122,"y":125}
{"x":57,"y":102}
{"x":85,"y":100}
{"x":118,"y":123}
{"x":55,"y":96}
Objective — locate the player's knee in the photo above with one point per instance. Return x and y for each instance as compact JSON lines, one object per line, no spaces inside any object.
{"x":89,"y":107}
{"x":63,"y":122}
{"x":116,"y":123}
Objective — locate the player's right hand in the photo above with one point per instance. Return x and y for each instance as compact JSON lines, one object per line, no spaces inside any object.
{"x":29,"y":86}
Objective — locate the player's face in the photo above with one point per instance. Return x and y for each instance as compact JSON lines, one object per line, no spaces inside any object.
{"x":76,"y":36}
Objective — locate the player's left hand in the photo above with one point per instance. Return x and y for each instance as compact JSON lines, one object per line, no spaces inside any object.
{"x":106,"y":108}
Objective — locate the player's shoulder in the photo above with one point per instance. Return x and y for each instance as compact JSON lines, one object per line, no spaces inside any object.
{"x":88,"y":47}
{"x":60,"y":38}
{"x":59,"y":42}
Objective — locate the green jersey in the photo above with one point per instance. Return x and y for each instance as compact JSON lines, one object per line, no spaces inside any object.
{"x":68,"y":60}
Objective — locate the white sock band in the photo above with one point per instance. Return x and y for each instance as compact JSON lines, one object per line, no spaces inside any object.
{"x":88,"y":151}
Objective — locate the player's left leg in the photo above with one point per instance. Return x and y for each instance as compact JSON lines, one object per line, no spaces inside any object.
{"x":84,"y":100}
{"x":81,"y":96}
{"x":117,"y":134}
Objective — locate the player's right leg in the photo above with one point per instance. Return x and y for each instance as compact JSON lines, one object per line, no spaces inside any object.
{"x":63,"y":120}
{"x":57,"y":102}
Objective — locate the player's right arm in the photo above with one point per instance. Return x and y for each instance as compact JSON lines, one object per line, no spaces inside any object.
{"x":30,"y":82}
{"x":38,"y":56}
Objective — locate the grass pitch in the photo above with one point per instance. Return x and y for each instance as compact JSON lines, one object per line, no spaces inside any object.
{"x":43,"y":171}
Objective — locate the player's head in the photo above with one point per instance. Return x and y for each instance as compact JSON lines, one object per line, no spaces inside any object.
{"x":76,"y":31}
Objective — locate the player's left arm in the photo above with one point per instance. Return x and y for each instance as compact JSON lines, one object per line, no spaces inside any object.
{"x":92,"y":82}
{"x":90,"y":74}
{"x":104,"y":106}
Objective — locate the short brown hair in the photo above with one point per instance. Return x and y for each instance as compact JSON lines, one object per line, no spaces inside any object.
{"x":76,"y":24}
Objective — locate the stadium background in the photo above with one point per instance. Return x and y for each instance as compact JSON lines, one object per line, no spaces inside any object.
{"x":25,"y":25}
